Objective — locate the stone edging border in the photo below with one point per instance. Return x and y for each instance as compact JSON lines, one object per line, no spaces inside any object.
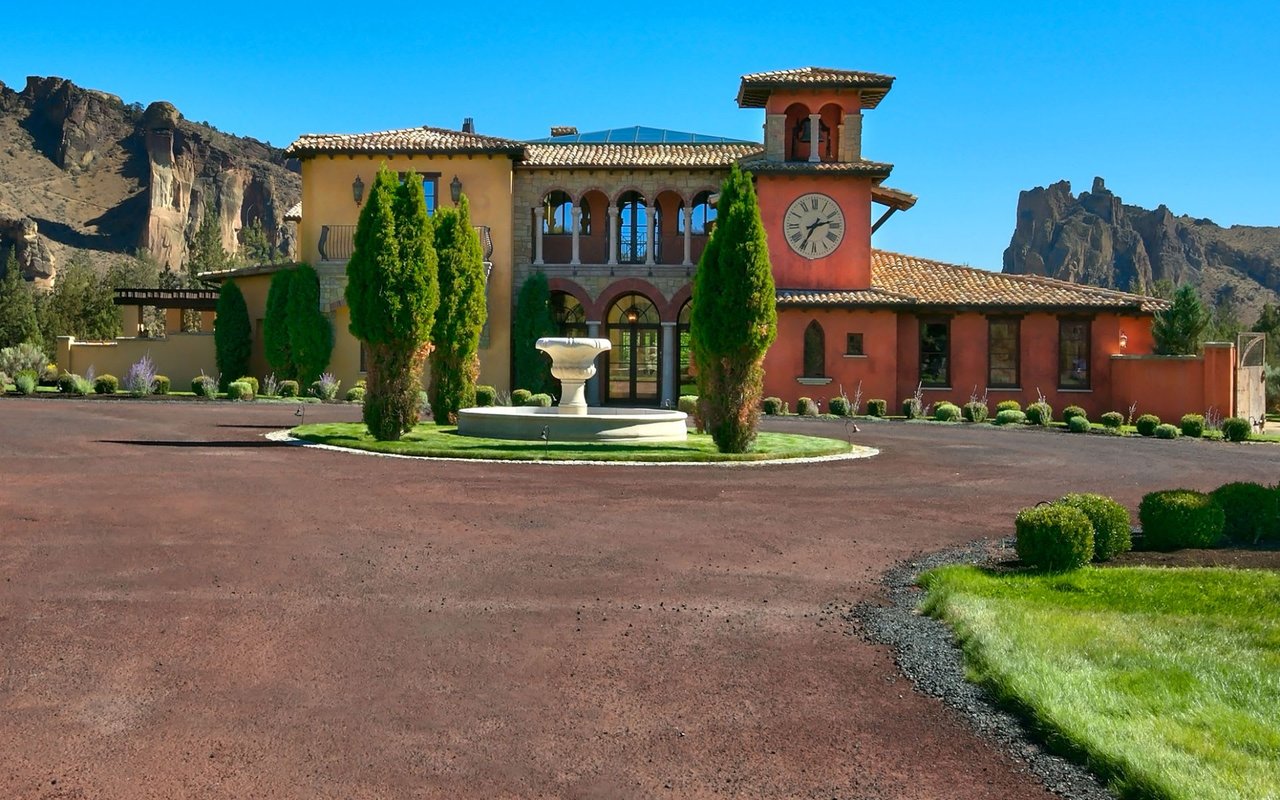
{"x":862,"y":452}
{"x":925,"y":650}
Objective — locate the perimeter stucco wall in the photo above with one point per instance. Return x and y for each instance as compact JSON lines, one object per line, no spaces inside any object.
{"x":178,"y":356}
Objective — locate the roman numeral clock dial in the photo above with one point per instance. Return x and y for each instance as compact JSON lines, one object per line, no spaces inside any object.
{"x":813,"y":225}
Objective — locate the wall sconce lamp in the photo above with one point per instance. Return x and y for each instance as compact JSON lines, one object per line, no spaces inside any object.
{"x":357,"y":190}
{"x":455,"y":189}
{"x":1124,"y":340}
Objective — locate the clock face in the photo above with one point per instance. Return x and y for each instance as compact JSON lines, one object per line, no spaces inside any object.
{"x":813,"y":225}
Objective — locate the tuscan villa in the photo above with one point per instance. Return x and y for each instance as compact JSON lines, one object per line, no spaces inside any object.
{"x":617,"y":219}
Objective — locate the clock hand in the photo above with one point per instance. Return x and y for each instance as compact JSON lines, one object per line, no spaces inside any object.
{"x":813,"y":228}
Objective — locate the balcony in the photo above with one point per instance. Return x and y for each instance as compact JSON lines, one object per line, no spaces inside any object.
{"x":337,"y":242}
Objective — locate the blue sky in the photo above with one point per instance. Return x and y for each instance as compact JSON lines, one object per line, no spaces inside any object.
{"x":1175,"y":103}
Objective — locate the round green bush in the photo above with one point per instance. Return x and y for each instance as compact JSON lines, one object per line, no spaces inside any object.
{"x":773,"y":406}
{"x":520,"y":397}
{"x":805,"y":407}
{"x":105,"y":384}
{"x":1010,"y":416}
{"x":1166,"y":431}
{"x":877,"y":408}
{"x":67,"y":382}
{"x":974,"y":411}
{"x":911,"y":408}
{"x":946,"y":412}
{"x":485,"y":395}
{"x":1110,"y":521}
{"x":1178,"y":518}
{"x":1078,"y":424}
{"x":1147,"y":424}
{"x":1054,"y":537}
{"x":540,"y":399}
{"x":25,"y":383}
{"x":355,"y":394}
{"x":1193,"y":425}
{"x":1073,"y":411}
{"x":252,"y":381}
{"x":1235,"y":429}
{"x":161,"y":385}
{"x":200,"y":386}
{"x":239,"y":390}
{"x":1008,"y":405}
{"x":1113,"y":420}
{"x":839,"y":406}
{"x":287,"y":389}
{"x":1039,"y":414}
{"x":1251,"y":511}
{"x":688,"y":403}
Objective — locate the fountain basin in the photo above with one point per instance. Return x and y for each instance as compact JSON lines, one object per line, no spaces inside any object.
{"x":596,"y":425}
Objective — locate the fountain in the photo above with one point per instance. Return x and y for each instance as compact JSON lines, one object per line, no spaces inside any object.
{"x":573,"y":363}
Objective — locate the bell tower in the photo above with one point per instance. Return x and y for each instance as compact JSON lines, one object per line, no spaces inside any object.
{"x":814,"y":186}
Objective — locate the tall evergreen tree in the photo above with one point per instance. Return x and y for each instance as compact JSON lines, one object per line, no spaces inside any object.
{"x":275,"y":327}
{"x":1269,"y":323}
{"x":255,"y":246}
{"x":310,"y":332}
{"x":17,"y":307}
{"x":393,"y":295}
{"x":1180,"y":329}
{"x":533,"y":321}
{"x":206,"y":253}
{"x":232,"y":336}
{"x":455,"y":359}
{"x":82,"y":304}
{"x":734,"y":317}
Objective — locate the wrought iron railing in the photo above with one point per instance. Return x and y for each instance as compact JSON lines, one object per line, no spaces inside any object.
{"x":337,"y":242}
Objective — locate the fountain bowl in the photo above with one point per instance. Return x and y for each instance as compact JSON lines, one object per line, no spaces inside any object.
{"x":596,"y":425}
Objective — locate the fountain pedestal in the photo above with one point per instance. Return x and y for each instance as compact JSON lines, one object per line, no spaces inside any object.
{"x":573,"y":363}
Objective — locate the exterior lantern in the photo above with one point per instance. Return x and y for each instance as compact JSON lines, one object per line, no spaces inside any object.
{"x":633,"y":315}
{"x":455,"y":189}
{"x":1124,"y":340}
{"x":357,"y":190}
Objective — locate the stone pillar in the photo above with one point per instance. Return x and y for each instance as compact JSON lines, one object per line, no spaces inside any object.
{"x":670,"y":364}
{"x":851,"y":138}
{"x":815,"y":133}
{"x":593,"y":385}
{"x":688,"y":233}
{"x":650,"y":225}
{"x":576,"y":217}
{"x":539,"y":214}
{"x":613,"y":235}
{"x":775,"y":137}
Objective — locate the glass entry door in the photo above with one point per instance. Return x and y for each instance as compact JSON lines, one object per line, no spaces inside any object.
{"x":635,"y":367}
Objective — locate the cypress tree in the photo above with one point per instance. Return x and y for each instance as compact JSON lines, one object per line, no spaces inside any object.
{"x":455,"y":359}
{"x":392,"y":294}
{"x":533,"y":321}
{"x":275,"y":327}
{"x":17,"y":307}
{"x":310,"y":333}
{"x":734,"y":317}
{"x":232,"y":336}
{"x":1179,"y":330}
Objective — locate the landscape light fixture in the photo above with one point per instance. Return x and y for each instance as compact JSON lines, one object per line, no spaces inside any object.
{"x":455,"y":189}
{"x":357,"y":190}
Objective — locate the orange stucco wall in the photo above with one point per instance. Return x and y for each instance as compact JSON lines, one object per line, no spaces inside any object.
{"x":1170,"y":386}
{"x":849,"y":265}
{"x":876,"y":370}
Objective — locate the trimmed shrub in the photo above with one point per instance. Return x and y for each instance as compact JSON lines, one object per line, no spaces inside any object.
{"x":1178,"y":518}
{"x":1039,"y":413}
{"x":1073,"y":411}
{"x":204,"y":386}
{"x":1147,"y":424}
{"x":1008,"y":405}
{"x":239,"y":390}
{"x":839,"y":406}
{"x":877,"y":408}
{"x":946,"y":412}
{"x":22,"y":356}
{"x":1110,"y":520}
{"x":1113,"y":420}
{"x":688,"y":403}
{"x":520,"y":397}
{"x":974,"y":411}
{"x":911,"y":408}
{"x":485,"y":395}
{"x":805,"y":407}
{"x":105,"y":384}
{"x":1236,"y":429}
{"x":355,"y":394}
{"x":773,"y":406}
{"x":25,"y":382}
{"x":252,"y":381}
{"x":66,"y":381}
{"x":288,"y":389}
{"x":1010,"y":416}
{"x":1193,"y":425}
{"x":161,"y":384}
{"x":541,"y":399}
{"x":1251,"y":511}
{"x":1078,"y":424}
{"x":1054,"y":537}
{"x":1166,"y":431}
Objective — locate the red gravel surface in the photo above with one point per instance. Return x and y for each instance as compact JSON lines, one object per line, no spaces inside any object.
{"x":187,"y":610}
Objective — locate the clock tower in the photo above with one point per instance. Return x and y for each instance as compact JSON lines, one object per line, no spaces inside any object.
{"x":815,"y":188}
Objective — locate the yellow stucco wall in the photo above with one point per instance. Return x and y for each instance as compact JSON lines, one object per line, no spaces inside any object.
{"x":255,"y":288}
{"x":179,"y":356}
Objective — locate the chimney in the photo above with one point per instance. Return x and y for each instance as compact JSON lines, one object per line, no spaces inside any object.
{"x":468,"y":125}
{"x":564,"y":130}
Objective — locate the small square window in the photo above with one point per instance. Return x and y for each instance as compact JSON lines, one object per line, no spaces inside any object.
{"x":853,"y":344}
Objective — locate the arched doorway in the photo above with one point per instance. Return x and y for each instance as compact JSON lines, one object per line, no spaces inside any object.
{"x":635,"y":362}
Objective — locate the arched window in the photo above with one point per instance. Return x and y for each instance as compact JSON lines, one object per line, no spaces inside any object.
{"x":557,"y":213}
{"x":801,"y":135}
{"x":704,"y":215}
{"x":815,"y":349}
{"x":570,"y":316}
{"x":633,"y":228}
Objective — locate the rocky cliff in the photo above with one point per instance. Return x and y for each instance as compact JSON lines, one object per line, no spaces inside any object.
{"x":1097,"y":239}
{"x":82,"y":171}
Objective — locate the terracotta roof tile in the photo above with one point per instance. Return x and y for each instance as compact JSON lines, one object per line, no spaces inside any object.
{"x":755,"y":88}
{"x":294,"y":214}
{"x":426,"y":140}
{"x":717,"y":154}
{"x":758,"y":164}
{"x":900,"y":280}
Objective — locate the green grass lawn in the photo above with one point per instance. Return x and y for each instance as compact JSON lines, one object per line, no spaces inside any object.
{"x":445,"y":442}
{"x":1166,"y":681}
